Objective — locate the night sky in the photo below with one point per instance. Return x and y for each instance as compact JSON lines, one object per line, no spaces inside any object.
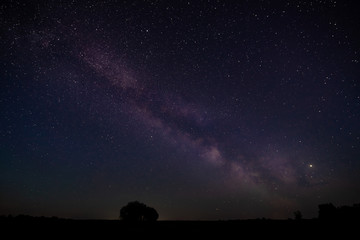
{"x":203,"y":110}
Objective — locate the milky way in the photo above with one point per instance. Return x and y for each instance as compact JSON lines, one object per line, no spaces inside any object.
{"x":204,"y":110}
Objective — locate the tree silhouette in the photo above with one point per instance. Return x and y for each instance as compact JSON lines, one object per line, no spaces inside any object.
{"x":151,"y":214}
{"x":330,"y":212}
{"x":298,"y":215}
{"x":327,"y":211}
{"x":137,"y":212}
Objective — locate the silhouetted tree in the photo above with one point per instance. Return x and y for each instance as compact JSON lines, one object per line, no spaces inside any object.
{"x":343,"y":213}
{"x":298,"y":215}
{"x":150,"y":214}
{"x":137,"y":212}
{"x":327,"y":211}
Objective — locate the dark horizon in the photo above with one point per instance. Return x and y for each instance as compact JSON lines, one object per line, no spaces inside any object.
{"x":326,"y":212}
{"x":201,"y":109}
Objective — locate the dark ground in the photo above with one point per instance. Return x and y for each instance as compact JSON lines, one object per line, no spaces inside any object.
{"x":50,"y":228}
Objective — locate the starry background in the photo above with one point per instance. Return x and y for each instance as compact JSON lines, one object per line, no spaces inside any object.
{"x":201,"y":109}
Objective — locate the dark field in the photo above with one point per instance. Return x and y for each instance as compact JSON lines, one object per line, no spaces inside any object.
{"x":102,"y":229}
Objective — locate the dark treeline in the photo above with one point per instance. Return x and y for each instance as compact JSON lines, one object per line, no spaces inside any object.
{"x":327,"y":212}
{"x":331,"y":221}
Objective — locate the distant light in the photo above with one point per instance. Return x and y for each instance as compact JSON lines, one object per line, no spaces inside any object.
{"x":310,"y":165}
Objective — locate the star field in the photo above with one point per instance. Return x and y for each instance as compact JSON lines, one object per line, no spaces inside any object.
{"x":201,"y":109}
